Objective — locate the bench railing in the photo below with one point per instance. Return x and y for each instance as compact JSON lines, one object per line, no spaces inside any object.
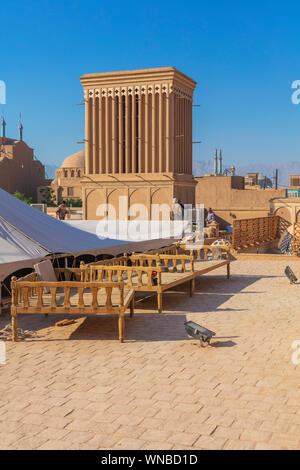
{"x":117,"y":261}
{"x":132,"y":276}
{"x":167,"y":250}
{"x":208,"y":252}
{"x":170,"y":262}
{"x":28,"y":295}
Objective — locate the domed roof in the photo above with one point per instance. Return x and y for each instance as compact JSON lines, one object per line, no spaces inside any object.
{"x":76,"y":160}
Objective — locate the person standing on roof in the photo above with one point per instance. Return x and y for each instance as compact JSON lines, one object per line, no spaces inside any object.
{"x":210,"y":216}
{"x":62,"y":211}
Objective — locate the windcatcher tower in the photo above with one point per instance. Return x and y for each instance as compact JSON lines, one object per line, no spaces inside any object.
{"x":138,"y":138}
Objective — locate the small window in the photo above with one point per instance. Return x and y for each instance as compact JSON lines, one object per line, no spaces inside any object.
{"x":66,"y":173}
{"x":70,"y":191}
{"x":72,"y":173}
{"x":79,"y":173}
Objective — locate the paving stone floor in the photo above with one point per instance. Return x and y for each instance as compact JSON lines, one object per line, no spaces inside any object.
{"x":77,"y":387}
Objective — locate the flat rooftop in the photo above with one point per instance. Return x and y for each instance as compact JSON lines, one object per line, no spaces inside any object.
{"x":77,"y":387}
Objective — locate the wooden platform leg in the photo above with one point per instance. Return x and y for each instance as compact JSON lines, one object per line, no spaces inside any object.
{"x":132,"y":308}
{"x":159,"y":302}
{"x":14,"y":327}
{"x":121,"y":328}
{"x":13,"y":309}
{"x":228,"y":271}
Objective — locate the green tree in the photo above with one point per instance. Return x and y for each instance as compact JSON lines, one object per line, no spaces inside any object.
{"x":74,"y":202}
{"x":48,"y":196}
{"x":22,"y":197}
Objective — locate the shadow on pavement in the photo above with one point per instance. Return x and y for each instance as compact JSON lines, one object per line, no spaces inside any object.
{"x":143,"y":327}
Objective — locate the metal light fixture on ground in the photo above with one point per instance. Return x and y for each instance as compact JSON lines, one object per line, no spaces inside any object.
{"x":290,"y":275}
{"x":199,"y":332}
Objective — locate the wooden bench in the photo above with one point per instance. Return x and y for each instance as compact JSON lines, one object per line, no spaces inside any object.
{"x":140,"y":277}
{"x":183,"y":263}
{"x":209,"y":257}
{"x":72,"y":295}
{"x":174,"y":265}
{"x":202,"y":258}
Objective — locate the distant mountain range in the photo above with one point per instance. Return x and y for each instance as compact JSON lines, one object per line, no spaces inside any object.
{"x":285,"y":169}
{"x":204,"y":167}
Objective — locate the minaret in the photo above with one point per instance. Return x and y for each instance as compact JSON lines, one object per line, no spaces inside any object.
{"x":220,"y":162}
{"x":216,"y":163}
{"x":3,"y":123}
{"x":20,"y":129}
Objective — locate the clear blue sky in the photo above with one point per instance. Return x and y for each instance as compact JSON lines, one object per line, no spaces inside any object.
{"x":244,"y":57}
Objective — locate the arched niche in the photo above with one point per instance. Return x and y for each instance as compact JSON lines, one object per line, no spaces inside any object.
{"x":161,"y":203}
{"x":117,"y":198}
{"x":284,"y":213}
{"x":139,"y":204}
{"x":94,"y":200}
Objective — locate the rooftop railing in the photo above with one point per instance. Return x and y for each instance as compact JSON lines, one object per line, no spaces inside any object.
{"x":253,"y":232}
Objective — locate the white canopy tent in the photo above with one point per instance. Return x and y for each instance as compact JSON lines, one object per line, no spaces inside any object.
{"x":28,"y":235}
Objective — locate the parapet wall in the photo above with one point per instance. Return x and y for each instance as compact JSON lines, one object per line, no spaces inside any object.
{"x":229,"y":203}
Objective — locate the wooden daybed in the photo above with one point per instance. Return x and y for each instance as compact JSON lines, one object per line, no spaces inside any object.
{"x":175,"y":265}
{"x":72,"y":295}
{"x":108,"y":286}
